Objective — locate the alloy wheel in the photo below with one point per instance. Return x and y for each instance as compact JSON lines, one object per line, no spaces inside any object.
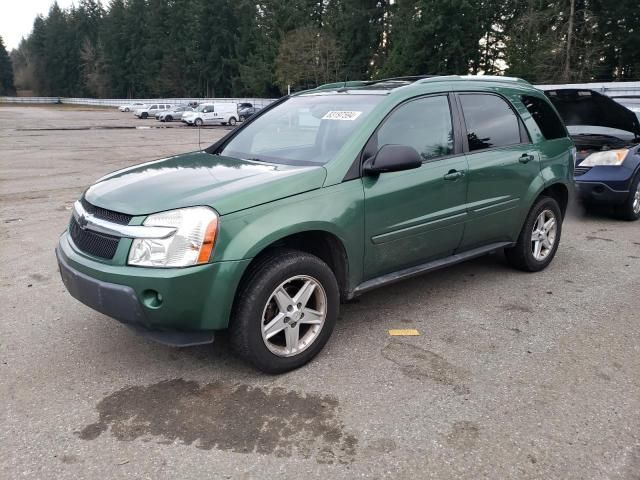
{"x":543,"y":236}
{"x":636,"y":201}
{"x":294,"y":316}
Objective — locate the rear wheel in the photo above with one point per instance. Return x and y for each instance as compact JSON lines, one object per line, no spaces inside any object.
{"x":538,"y":241}
{"x":630,"y":209}
{"x":232,"y":121}
{"x":285,"y":311}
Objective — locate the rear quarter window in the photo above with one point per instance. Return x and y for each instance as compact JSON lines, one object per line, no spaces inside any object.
{"x":545,"y":117}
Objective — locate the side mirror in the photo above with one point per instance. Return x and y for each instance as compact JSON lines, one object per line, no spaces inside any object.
{"x":393,"y":158}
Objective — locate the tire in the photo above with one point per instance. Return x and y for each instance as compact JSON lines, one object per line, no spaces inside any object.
{"x":255,"y":308}
{"x":233,"y":121}
{"x":198,"y":122}
{"x":126,"y":109}
{"x":630,"y":209}
{"x":168,"y":118}
{"x":242,"y":118}
{"x":522,"y":256}
{"x":144,"y":115}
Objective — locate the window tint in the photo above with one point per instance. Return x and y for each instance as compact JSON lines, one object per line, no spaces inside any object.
{"x":547,"y":120}
{"x":424,"y":124}
{"x":490,"y":121}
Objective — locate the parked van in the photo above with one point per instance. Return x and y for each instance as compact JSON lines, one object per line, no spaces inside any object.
{"x":212,"y":113}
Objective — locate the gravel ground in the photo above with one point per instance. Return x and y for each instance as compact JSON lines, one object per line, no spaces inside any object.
{"x":513,"y":376}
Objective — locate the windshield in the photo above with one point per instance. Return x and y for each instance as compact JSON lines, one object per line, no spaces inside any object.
{"x":304,"y":130}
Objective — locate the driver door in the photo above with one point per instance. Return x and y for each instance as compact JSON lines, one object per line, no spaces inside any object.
{"x":417,"y":215}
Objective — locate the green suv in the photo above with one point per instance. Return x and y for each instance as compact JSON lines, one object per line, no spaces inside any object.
{"x":322,"y":196}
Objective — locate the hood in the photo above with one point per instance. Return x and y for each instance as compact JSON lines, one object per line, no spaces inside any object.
{"x":588,"y":107}
{"x":199,"y":178}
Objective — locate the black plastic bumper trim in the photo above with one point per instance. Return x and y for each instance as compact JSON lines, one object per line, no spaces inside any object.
{"x":121,"y":303}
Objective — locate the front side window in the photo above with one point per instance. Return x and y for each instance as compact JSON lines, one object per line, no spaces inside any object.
{"x":153,"y":107}
{"x":424,"y":124}
{"x":303,"y":130}
{"x":547,"y":120}
{"x":490,"y":121}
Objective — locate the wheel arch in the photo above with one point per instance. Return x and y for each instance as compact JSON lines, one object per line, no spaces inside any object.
{"x":559,"y":192}
{"x":322,"y":243}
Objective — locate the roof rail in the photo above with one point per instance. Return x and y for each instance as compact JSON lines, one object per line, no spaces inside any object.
{"x":409,"y":79}
{"x":361,"y":83}
{"x":487,"y":78}
{"x":335,"y":85}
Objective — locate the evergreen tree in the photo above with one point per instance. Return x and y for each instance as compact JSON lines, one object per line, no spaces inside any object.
{"x":6,"y":72}
{"x":147,"y":48}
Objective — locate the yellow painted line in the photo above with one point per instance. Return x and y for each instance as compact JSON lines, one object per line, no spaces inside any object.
{"x":404,"y":332}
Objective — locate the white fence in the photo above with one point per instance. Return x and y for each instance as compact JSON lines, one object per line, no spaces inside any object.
{"x":115,"y":102}
{"x":612,"y":89}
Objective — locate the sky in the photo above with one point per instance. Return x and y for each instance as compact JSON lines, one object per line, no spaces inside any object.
{"x":17,"y":16}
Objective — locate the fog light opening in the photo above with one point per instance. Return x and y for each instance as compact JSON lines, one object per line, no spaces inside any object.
{"x":152,"y":299}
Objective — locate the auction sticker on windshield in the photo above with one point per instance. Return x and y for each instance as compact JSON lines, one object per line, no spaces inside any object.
{"x":341,"y":115}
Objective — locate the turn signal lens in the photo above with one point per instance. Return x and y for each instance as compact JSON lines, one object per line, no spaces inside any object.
{"x":208,"y":242}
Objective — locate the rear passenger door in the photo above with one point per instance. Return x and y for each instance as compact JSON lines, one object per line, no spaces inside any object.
{"x":416,"y":215}
{"x":502,"y":165}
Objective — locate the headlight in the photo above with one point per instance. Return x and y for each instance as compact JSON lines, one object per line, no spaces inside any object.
{"x":610,"y":157}
{"x":191,"y":244}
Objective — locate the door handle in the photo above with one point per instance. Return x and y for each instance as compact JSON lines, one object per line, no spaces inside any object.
{"x":525,"y":158}
{"x":454,"y":175}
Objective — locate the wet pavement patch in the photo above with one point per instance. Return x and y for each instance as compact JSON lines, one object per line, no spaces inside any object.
{"x":235,"y":418}
{"x":419,"y":364}
{"x":464,"y":434}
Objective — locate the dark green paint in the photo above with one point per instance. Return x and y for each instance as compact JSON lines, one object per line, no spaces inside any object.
{"x":385,"y":223}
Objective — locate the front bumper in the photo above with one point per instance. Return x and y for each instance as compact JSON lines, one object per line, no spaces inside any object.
{"x":597,"y":192}
{"x":605,"y":184}
{"x":194,"y":301}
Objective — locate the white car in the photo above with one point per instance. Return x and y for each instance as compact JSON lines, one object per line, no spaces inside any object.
{"x":212,"y":113}
{"x":131,"y":106}
{"x":175,"y":113}
{"x":151,"y":110}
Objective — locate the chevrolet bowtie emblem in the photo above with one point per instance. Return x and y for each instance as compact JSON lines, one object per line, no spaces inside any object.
{"x":83,"y":221}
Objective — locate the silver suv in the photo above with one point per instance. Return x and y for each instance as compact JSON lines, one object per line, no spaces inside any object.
{"x":150,"y":110}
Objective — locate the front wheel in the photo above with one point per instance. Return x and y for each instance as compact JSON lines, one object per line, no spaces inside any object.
{"x":144,"y":115}
{"x":538,"y":241}
{"x":285,"y":311}
{"x":630,"y":209}
{"x":126,"y":109}
{"x":198,"y":122}
{"x":168,"y":118}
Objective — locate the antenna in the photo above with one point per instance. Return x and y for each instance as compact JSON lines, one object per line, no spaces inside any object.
{"x":199,"y":147}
